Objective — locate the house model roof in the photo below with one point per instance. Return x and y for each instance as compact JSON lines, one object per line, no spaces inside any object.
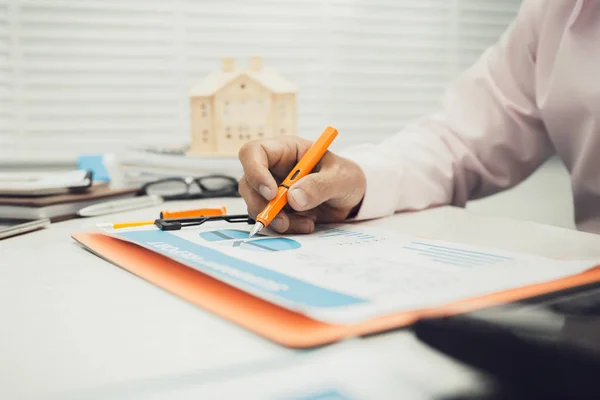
{"x":264,"y":76}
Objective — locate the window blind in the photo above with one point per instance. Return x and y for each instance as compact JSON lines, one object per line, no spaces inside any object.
{"x":88,"y":75}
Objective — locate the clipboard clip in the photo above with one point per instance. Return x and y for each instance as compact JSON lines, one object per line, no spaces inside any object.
{"x":176,"y":224}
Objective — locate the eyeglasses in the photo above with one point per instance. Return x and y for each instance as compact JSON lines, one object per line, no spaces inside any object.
{"x":177,"y":224}
{"x":204,"y":187}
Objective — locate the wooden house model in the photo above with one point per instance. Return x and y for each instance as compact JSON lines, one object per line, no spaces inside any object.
{"x":232,"y":106}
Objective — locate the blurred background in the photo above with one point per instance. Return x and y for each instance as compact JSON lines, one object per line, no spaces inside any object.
{"x":81,"y":76}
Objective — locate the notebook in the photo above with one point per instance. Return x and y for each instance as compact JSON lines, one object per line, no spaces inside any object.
{"x":43,"y":183}
{"x":341,"y":281}
{"x":58,"y":207}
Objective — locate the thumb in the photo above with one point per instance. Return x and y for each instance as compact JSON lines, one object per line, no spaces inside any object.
{"x":313,"y":190}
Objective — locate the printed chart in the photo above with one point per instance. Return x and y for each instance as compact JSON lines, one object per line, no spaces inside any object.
{"x":337,"y":232}
{"x":239,"y":239}
{"x":225,"y":234}
{"x":454,"y":256}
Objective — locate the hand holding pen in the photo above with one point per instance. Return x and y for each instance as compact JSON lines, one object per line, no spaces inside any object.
{"x":328,"y":194}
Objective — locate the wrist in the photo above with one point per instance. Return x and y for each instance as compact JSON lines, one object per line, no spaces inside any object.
{"x":359,"y":183}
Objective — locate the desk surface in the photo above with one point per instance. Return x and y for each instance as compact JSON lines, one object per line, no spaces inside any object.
{"x":74,"y":325}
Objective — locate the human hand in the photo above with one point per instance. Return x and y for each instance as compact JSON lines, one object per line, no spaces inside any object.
{"x":329,"y":194}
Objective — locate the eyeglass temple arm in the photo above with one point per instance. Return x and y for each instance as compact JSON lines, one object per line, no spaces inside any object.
{"x":177,"y":224}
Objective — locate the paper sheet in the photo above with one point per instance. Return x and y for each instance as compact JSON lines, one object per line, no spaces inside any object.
{"x":349,"y":273}
{"x":38,"y":183}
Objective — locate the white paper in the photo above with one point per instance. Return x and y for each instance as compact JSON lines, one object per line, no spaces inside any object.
{"x":40,"y":182}
{"x":349,"y":273}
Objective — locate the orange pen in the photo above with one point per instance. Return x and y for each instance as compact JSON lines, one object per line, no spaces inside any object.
{"x":302,"y":168}
{"x":202,"y":212}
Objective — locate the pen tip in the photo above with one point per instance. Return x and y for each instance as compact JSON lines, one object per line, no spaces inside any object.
{"x":257,"y":228}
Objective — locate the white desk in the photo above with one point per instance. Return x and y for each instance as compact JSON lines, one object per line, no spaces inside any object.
{"x":74,"y":325}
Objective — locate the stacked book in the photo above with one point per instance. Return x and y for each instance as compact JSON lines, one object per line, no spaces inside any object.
{"x":53,"y":195}
{"x":142,"y":165}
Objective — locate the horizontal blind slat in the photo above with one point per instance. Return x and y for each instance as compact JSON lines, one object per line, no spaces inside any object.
{"x":101,"y":75}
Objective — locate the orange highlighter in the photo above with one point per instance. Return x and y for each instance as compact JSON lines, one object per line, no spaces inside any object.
{"x":303,"y":168}
{"x":202,"y":212}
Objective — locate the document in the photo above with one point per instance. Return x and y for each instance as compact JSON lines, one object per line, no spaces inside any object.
{"x":349,"y":273}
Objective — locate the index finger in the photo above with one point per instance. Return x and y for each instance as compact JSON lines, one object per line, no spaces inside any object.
{"x":261,"y":158}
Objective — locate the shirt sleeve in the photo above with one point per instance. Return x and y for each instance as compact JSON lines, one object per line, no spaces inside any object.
{"x":488,"y":136}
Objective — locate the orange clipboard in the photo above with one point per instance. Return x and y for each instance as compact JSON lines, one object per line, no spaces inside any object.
{"x":278,"y":324}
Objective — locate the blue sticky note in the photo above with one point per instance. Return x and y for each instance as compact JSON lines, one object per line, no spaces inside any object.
{"x":95,"y":163}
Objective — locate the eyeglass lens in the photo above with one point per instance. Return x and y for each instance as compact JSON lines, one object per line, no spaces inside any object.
{"x":167,"y":188}
{"x":217,"y":183}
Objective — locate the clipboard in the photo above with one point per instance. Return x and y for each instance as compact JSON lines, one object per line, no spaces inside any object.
{"x":276,"y":323}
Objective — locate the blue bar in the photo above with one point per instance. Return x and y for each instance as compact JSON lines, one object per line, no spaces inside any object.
{"x":367,"y":237}
{"x":332,"y":235}
{"x":456,"y":264}
{"x":448,"y":260}
{"x":453,"y":256}
{"x":426,"y":252}
{"x":453,"y":250}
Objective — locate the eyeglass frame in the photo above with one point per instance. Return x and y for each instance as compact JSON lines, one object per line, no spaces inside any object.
{"x":204,"y":191}
{"x":172,"y":224}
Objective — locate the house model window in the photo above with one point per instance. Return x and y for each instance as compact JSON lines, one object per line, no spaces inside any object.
{"x":232,"y":106}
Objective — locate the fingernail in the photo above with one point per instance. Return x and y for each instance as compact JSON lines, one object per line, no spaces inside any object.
{"x":277,"y":223}
{"x":265,"y":191}
{"x":299,"y":197}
